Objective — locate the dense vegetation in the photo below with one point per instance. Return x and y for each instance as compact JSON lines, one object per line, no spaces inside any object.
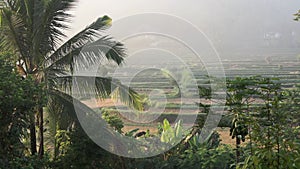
{"x":38,"y":124}
{"x":266,"y":117}
{"x":32,"y":32}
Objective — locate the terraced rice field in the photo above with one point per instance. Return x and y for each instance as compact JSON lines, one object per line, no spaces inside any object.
{"x":167,"y":102}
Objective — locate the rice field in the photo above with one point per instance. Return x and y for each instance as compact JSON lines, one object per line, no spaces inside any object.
{"x":168,"y":100}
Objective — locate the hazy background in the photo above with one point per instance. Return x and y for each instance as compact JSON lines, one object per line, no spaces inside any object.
{"x":239,"y":29}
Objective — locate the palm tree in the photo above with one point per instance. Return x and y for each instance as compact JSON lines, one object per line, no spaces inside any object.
{"x":33,"y":31}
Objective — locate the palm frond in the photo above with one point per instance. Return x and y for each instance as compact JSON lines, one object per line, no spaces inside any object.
{"x":111,"y":49}
{"x":69,"y":102}
{"x":94,"y":126}
{"x":2,"y":5}
{"x":12,"y":33}
{"x":42,"y":25}
{"x":74,"y":45}
{"x":49,"y":26}
{"x":61,"y":116}
{"x":53,"y":117}
{"x":128,"y":96}
{"x":9,"y":4}
{"x":92,"y":54}
{"x":101,"y":87}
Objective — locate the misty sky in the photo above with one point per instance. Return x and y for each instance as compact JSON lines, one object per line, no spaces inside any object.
{"x":234,"y":26}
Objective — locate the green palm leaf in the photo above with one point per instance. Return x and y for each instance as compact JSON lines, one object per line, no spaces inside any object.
{"x":11,"y":29}
{"x":33,"y":30}
{"x":64,"y":54}
{"x":102,"y":87}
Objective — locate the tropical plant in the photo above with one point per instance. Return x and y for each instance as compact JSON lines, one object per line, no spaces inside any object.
{"x":113,"y":120}
{"x":91,"y":155}
{"x":274,"y":133}
{"x":239,"y":93}
{"x":17,"y":100}
{"x":33,"y":31}
{"x":220,"y":157}
{"x":171,"y":135}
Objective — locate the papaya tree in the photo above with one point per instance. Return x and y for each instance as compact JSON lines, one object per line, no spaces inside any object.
{"x":239,"y":95}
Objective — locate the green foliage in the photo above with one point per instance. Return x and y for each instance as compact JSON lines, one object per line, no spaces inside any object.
{"x":33,"y":30}
{"x":206,"y":93}
{"x":263,"y":113}
{"x":171,"y":135}
{"x":18,"y":98}
{"x":193,"y":154}
{"x":211,"y":142}
{"x":62,"y":142}
{"x":270,"y":127}
{"x":83,"y":153}
{"x":274,"y":133}
{"x":29,"y":162}
{"x":239,"y":93}
{"x":203,"y":158}
{"x":113,"y":120}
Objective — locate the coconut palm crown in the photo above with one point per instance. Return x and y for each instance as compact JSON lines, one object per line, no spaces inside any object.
{"x":33,"y":31}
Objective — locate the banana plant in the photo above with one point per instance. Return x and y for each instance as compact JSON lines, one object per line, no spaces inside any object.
{"x":171,"y":135}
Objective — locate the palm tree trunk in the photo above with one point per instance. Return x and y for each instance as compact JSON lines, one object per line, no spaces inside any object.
{"x":32,"y":136}
{"x":41,"y":131}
